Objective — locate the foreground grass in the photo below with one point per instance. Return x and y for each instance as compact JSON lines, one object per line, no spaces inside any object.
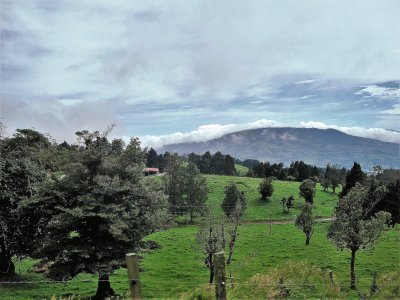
{"x":177,"y":267}
{"x":270,"y":209}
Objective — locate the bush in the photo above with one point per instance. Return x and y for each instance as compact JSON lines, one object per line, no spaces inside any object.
{"x":266,"y":188}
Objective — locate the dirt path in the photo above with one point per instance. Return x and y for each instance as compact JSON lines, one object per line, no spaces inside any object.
{"x":283,"y":221}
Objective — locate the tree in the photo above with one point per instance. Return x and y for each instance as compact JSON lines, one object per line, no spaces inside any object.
{"x":351,"y":230}
{"x":187,"y":189}
{"x":232,"y":197}
{"x":233,"y":229}
{"x":22,"y":167}
{"x":354,"y":175}
{"x":195,"y":190}
{"x":211,"y":239}
{"x":152,"y":159}
{"x":307,"y":190}
{"x":305,"y":221}
{"x":229,"y":166}
{"x":99,"y":211}
{"x":289,"y":202}
{"x":266,"y":188}
{"x":325,"y":183}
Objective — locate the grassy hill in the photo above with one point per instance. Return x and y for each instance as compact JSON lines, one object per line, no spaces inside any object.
{"x":178,"y":265}
{"x":270,"y":209}
{"x":242,"y":170}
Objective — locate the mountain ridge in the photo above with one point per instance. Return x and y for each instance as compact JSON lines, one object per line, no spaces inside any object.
{"x":286,"y":144}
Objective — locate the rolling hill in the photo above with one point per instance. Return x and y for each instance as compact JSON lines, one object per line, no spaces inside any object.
{"x":314,"y":146}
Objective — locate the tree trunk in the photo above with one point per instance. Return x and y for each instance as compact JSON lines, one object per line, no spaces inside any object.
{"x":191,"y":217}
{"x":211,"y":275}
{"x":211,"y":266}
{"x":104,"y":289}
{"x":307,"y":239}
{"x":352,"y":273}
{"x":7,"y":268}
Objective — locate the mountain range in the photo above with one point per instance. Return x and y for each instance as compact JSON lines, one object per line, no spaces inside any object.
{"x":313,"y":146}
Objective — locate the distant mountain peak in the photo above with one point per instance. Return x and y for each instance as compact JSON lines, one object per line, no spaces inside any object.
{"x":287,"y":144}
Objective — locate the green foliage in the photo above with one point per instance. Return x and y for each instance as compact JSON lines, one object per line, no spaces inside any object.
{"x":22,"y":168}
{"x":307,"y":190}
{"x":355,"y":175}
{"x":187,"y":189}
{"x":305,"y":221}
{"x":104,"y":200}
{"x":233,"y":196}
{"x":266,"y":188}
{"x":350,"y":228}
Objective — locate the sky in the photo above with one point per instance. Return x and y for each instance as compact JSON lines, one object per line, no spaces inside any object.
{"x":174,"y":71}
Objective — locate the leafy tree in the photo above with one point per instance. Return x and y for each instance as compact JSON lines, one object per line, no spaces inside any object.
{"x":290,"y":202}
{"x":22,"y":167}
{"x":390,"y":202}
{"x":99,"y":211}
{"x":266,"y":188}
{"x":354,"y":175}
{"x":232,"y":197}
{"x":152,"y":159}
{"x":229,"y":166}
{"x":325,"y":183}
{"x":305,"y":221}
{"x":307,"y":190}
{"x":195,"y":190}
{"x":187,"y":189}
{"x":211,"y":239}
{"x":351,"y":230}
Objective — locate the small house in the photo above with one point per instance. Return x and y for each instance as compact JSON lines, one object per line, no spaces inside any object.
{"x":151,"y":171}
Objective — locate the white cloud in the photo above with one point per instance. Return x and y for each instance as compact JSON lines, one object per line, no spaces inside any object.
{"x":372,"y":133}
{"x":379,"y":92}
{"x":393,"y":111}
{"x":213,"y":131}
{"x":306,"y":81}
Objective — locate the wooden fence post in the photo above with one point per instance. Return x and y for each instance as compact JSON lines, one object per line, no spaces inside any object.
{"x":220,"y":280}
{"x":270,"y":227}
{"x":135,"y":285}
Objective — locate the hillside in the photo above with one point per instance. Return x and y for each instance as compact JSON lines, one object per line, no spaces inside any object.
{"x":313,"y":146}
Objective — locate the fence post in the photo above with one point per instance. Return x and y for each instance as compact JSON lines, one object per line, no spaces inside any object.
{"x":220,"y":280}
{"x":270,"y":227}
{"x":135,"y":286}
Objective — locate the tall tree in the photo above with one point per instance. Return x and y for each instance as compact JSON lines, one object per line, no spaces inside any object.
{"x":99,"y":211}
{"x":233,"y":196}
{"x":195,"y":190}
{"x":23,"y":166}
{"x":229,"y":166}
{"x":305,"y":221}
{"x":307,"y":190}
{"x":351,"y":230}
{"x":354,"y":175}
{"x":152,"y":159}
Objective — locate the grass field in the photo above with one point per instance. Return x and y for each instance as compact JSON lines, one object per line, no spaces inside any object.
{"x":242,"y":170}
{"x":177,"y":267}
{"x":270,"y":209}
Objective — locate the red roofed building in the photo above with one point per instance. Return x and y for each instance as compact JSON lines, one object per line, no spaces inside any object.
{"x":151,"y":171}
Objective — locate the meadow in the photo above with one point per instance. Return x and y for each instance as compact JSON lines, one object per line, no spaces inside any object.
{"x":176,"y":269}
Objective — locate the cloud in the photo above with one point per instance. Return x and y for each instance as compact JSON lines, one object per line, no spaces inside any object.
{"x":305,"y":81}
{"x":213,"y":131}
{"x":372,"y":133}
{"x":393,"y":111}
{"x":379,"y":92}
